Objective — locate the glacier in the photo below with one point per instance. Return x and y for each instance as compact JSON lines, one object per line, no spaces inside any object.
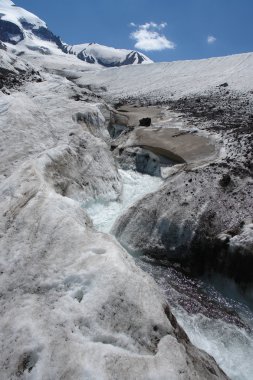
{"x":98,"y":271}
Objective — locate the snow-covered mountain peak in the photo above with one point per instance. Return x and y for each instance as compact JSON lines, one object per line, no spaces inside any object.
{"x":29,"y":34}
{"x":25,"y":30}
{"x":107,"y":56}
{"x":10,"y":12}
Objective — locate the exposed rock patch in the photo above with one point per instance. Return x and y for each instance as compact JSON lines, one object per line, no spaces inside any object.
{"x":10,"y":32}
{"x":145,"y":122}
{"x":12,"y":81}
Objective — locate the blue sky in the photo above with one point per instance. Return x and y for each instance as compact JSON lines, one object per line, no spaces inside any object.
{"x":176,"y":29}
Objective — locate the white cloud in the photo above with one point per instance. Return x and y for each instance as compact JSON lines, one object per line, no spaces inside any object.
{"x":148,"y":37}
{"x":211,"y":40}
{"x":163,"y":25}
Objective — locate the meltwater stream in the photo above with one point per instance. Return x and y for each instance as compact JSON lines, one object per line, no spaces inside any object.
{"x":217,"y":324}
{"x":135,"y":186}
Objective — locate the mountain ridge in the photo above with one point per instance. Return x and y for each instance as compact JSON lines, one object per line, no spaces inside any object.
{"x":24,"y":31}
{"x":106,"y":56}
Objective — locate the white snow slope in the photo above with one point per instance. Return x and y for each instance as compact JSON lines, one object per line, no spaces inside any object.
{"x":171,"y":80}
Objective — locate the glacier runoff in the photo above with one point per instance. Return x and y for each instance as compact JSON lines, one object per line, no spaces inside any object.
{"x":219,"y":331}
{"x":135,"y":186}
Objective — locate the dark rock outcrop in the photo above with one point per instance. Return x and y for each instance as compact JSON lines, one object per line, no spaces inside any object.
{"x":145,"y":122}
{"x":11,"y":80}
{"x":42,"y":33}
{"x":10,"y":32}
{"x":224,"y":84}
{"x":3,"y":46}
{"x":47,"y":35}
{"x":132,"y":58}
{"x":13,"y":34}
{"x":225,"y":180}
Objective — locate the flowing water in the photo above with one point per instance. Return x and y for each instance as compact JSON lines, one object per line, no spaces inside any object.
{"x":221,"y":325}
{"x":217,"y":324}
{"x":135,"y":186}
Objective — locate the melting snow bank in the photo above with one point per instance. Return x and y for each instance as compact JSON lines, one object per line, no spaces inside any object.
{"x":135,"y":186}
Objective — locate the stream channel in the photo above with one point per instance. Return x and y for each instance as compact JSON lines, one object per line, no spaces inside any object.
{"x":215,"y":316}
